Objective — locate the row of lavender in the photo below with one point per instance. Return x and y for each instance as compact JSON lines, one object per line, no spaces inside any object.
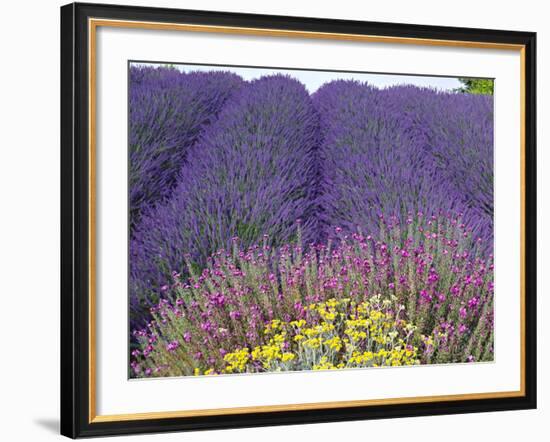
{"x":213,"y":158}
{"x":253,"y":171}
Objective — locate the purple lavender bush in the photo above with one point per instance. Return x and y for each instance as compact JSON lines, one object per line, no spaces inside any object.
{"x":371,"y":167}
{"x":168,"y":110}
{"x":456,"y":132}
{"x":385,"y":152}
{"x":252,"y":173}
{"x":462,"y":148}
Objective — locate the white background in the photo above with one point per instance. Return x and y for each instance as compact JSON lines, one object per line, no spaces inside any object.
{"x":29,"y":239}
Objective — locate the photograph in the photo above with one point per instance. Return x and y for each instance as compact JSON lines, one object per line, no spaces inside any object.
{"x":285,"y":220}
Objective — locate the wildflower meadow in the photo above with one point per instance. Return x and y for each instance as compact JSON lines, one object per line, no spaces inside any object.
{"x":276,"y":229}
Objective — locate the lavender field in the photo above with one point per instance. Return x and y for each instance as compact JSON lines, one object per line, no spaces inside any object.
{"x":274,"y":229}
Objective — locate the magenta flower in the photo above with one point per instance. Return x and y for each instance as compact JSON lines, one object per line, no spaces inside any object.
{"x":433,"y":277}
{"x":425,"y":295}
{"x":234,"y":314}
{"x":473,"y":302}
{"x":172,"y":346}
{"x":217,"y":299}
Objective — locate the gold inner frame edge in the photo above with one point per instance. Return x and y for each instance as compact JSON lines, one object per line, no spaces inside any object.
{"x":93,"y":24}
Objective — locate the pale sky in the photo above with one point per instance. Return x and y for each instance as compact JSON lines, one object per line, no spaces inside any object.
{"x":314,"y":79}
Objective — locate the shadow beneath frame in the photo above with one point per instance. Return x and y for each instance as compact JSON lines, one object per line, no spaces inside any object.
{"x":52,"y":425}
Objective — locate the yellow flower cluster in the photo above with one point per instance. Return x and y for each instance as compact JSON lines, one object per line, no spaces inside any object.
{"x":272,"y":326}
{"x":338,"y":333}
{"x":395,"y":357}
{"x":334,"y":343}
{"x":268,"y":356}
{"x":236,"y":361}
{"x":374,"y":324}
{"x":325,"y":364}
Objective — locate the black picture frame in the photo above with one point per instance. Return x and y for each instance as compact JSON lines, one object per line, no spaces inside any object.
{"x":76,"y":419}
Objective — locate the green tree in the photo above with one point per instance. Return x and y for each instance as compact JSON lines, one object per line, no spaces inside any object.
{"x":476,"y":86}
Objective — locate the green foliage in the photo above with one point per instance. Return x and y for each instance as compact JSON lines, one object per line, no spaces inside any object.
{"x":476,"y":86}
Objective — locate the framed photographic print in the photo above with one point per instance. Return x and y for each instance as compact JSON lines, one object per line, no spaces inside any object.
{"x":275,"y":220}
